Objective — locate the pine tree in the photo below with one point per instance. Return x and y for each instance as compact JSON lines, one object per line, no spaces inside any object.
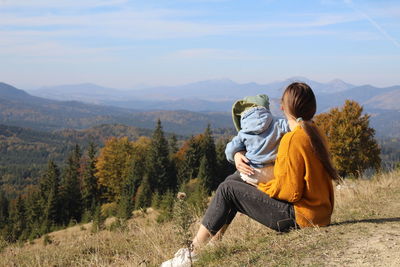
{"x":190,"y":154}
{"x":204,"y":174}
{"x":208,"y":163}
{"x":70,"y":193}
{"x":161,"y":178}
{"x":166,"y":207}
{"x":129,"y":187}
{"x":98,"y":220}
{"x":173,"y":160}
{"x":4,"y":206}
{"x":49,"y":196}
{"x":224,"y":167}
{"x":33,"y":213}
{"x":125,"y":206}
{"x":18,"y":219}
{"x":155,"y":200}
{"x":351,"y":140}
{"x":173,"y":145}
{"x":183,"y":164}
{"x":90,"y":194}
{"x":51,"y":211}
{"x":143,"y":194}
{"x":191,"y":162}
{"x":199,"y":198}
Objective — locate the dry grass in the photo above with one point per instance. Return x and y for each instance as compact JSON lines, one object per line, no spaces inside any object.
{"x":365,"y":231}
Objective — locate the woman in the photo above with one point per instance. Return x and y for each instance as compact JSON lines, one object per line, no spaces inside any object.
{"x":301,"y":193}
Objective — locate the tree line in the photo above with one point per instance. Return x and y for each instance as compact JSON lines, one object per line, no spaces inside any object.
{"x":129,"y":174}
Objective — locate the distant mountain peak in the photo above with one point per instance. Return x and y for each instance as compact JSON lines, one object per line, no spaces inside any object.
{"x":7,"y":91}
{"x":336,"y":81}
{"x":340,"y":82}
{"x":5,"y":86}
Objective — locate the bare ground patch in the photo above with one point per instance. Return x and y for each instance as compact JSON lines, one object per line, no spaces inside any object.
{"x":369,"y":244}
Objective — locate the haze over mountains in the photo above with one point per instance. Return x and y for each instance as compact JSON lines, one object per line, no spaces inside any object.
{"x":218,"y":95}
{"x":211,"y":95}
{"x":185,"y":109}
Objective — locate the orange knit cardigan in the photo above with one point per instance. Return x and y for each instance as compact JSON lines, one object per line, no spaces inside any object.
{"x":301,"y":179}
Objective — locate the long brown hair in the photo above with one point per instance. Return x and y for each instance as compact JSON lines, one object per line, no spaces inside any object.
{"x":299,"y":102}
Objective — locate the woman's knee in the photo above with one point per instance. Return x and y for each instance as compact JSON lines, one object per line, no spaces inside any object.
{"x":234,"y":176}
{"x":222,"y":186}
{"x":231,"y":187}
{"x":225,"y":188}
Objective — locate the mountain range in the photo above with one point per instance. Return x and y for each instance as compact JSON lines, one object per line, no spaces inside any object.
{"x":18,"y":108}
{"x":184,"y":109}
{"x":218,"y":95}
{"x":211,"y":95}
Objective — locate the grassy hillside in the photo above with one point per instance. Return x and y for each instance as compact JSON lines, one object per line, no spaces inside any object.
{"x":365,"y":232}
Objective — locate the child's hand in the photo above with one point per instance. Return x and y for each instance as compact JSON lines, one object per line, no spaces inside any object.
{"x":241,"y":163}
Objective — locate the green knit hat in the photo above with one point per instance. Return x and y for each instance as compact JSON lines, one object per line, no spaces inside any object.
{"x":246,"y":103}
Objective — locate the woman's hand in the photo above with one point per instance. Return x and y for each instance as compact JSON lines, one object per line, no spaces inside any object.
{"x":241,"y":163}
{"x":253,"y":184}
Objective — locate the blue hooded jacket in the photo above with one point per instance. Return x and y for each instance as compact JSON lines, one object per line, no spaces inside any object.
{"x":259,"y":137}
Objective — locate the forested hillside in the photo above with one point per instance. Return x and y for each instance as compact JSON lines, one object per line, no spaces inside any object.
{"x":127,"y":173}
{"x":25,"y":152}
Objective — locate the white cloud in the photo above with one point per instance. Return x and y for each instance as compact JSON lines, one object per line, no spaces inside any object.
{"x":130,"y":23}
{"x":156,"y":24}
{"x":374,"y":23}
{"x":43,"y":33}
{"x":59,"y":3}
{"x":212,"y":53}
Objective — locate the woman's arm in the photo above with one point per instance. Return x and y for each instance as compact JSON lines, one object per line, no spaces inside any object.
{"x":241,"y":163}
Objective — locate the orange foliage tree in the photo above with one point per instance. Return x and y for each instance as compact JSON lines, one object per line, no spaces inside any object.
{"x":350,"y":139}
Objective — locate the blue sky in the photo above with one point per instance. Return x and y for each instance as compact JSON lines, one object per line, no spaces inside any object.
{"x":122,"y":43}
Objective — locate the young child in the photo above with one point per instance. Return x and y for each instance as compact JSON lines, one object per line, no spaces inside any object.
{"x":259,"y":134}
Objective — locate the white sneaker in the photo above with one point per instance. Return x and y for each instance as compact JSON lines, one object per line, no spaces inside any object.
{"x":181,"y":259}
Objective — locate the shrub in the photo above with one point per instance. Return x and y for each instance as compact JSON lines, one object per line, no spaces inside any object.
{"x":47,"y":240}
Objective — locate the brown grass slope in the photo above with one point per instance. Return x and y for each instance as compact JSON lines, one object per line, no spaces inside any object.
{"x":365,"y":232}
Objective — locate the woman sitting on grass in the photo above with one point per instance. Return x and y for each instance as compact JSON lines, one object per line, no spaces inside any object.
{"x":301,"y":193}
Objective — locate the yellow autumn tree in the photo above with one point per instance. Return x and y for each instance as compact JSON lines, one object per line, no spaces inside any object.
{"x":141,"y":147}
{"x":114,"y":165}
{"x":350,"y":138}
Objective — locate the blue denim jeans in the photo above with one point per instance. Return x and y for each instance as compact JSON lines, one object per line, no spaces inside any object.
{"x":234,"y":195}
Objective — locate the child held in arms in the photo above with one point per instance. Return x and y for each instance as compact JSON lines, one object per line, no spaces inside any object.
{"x":259,"y":134}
